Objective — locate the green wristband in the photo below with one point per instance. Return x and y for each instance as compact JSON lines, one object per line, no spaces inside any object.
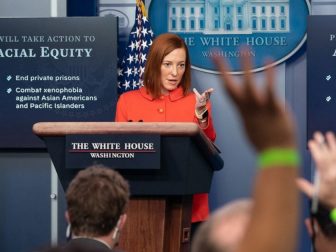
{"x":278,"y":157}
{"x":333,"y":215}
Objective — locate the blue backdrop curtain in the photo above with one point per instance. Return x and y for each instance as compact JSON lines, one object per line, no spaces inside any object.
{"x":82,"y":8}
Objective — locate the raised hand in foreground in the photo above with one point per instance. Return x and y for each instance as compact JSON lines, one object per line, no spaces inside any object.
{"x":323,"y":151}
{"x":266,"y":122}
{"x":270,"y":129}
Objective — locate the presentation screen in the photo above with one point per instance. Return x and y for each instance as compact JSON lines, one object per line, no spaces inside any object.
{"x":55,"y":69}
{"x":321,"y":74}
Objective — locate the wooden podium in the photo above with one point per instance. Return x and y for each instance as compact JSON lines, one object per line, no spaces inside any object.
{"x":159,"y":214}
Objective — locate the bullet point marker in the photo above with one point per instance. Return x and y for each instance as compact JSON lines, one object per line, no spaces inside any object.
{"x":9,"y":77}
{"x":9,"y":90}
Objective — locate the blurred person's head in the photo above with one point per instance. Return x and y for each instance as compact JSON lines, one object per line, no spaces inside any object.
{"x":168,"y":65}
{"x":225,"y":228}
{"x":96,"y":204}
{"x":322,"y":230}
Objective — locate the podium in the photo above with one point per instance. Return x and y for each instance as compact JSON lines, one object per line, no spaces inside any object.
{"x":159,"y":213}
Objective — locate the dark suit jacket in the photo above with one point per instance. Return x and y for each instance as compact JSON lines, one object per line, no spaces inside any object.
{"x":87,"y":245}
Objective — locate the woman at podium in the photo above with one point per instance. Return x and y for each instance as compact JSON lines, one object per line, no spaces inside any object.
{"x":166,"y":97}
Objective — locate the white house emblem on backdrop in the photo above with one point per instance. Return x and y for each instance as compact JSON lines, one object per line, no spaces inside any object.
{"x":228,"y":17}
{"x":275,"y":28}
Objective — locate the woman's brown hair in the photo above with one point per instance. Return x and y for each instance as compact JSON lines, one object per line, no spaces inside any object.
{"x":161,"y":47}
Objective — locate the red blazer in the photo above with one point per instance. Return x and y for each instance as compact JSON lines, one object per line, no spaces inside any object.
{"x":138,"y":105}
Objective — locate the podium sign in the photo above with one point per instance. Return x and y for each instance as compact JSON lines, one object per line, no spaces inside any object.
{"x":161,"y":197}
{"x":117,"y":151}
